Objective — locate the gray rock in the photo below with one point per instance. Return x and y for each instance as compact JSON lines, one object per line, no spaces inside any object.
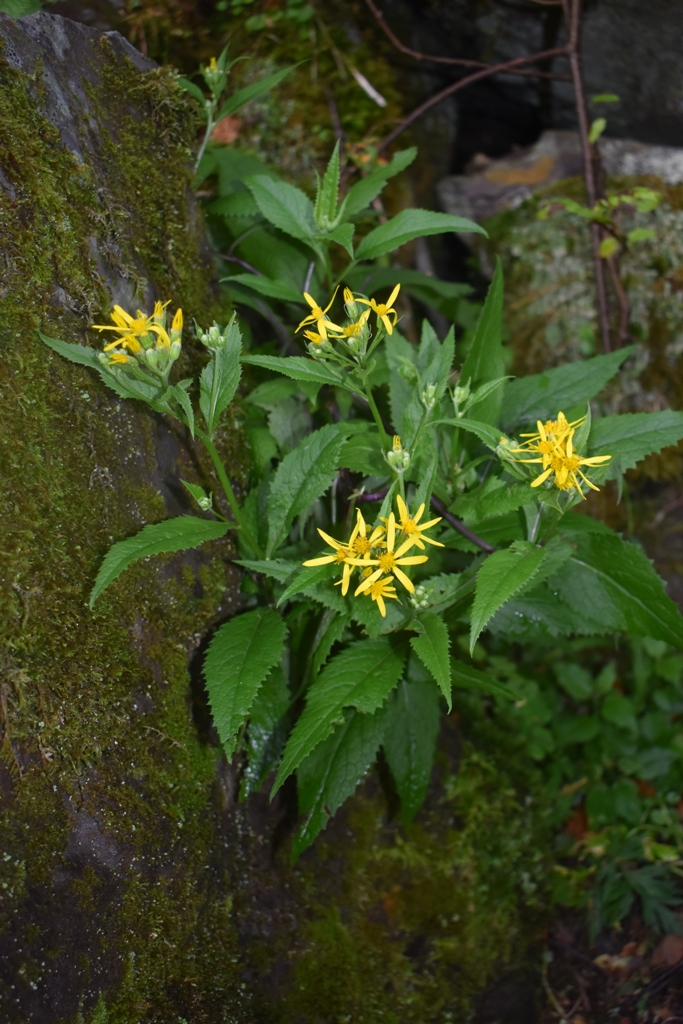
{"x":503,"y":184}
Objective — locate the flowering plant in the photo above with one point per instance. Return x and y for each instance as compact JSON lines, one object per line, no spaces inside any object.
{"x":341,"y":650}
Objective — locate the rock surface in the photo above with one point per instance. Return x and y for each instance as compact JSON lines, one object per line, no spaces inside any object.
{"x":504,"y":184}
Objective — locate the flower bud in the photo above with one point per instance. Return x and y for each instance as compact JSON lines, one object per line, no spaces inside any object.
{"x":213,"y":338}
{"x":398,"y":458}
{"x":353,"y":308}
{"x":408,"y":372}
{"x":460,"y":395}
{"x":428,"y":397}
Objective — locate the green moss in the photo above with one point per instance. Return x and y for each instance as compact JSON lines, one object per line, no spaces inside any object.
{"x":111,"y":817}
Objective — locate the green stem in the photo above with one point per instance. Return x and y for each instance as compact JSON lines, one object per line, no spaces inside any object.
{"x":375,"y":413}
{"x":228,"y":491}
{"x":210,"y":125}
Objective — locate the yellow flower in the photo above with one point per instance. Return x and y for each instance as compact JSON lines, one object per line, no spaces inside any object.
{"x":552,"y":430}
{"x":341,"y":554}
{"x":315,"y":339}
{"x":390,"y":561}
{"x":384,"y":309}
{"x":177,"y":324}
{"x":317,"y":315}
{"x":380,"y":589}
{"x":132,"y":328}
{"x":359,"y":542}
{"x":118,"y":357}
{"x":409,"y":525}
{"x":565,"y":464}
{"x":353,"y":330}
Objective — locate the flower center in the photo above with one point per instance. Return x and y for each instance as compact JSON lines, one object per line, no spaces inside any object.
{"x":387,"y":561}
{"x":341,"y":555}
{"x":361,"y":545}
{"x":409,"y":525}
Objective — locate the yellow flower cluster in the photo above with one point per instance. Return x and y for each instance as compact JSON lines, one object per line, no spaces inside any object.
{"x":380,"y":554}
{"x":143,"y":340}
{"x":356,"y":328}
{"x":553,"y":448}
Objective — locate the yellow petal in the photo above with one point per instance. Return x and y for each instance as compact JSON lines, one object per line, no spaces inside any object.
{"x":540,"y":479}
{"x":381,"y":605}
{"x":407,"y":583}
{"x":320,"y":561}
{"x":393,"y":295}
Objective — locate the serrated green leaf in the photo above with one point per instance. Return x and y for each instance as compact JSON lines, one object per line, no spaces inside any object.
{"x":220,"y":377}
{"x":302,"y":476}
{"x":199,"y":494}
{"x":342,"y":235}
{"x":298,"y":368}
{"x":20,"y":8}
{"x":267,"y":731}
{"x":412,"y":725}
{"x":155,"y":539}
{"x":614,"y":584}
{"x":285,"y":206}
{"x":238,"y":205}
{"x":409,"y":224}
{"x":74,"y":353}
{"x":501,"y":576}
{"x":325,"y":210}
{"x":363,"y":192}
{"x":332,"y":628}
{"x":332,"y":772}
{"x":308,"y":577}
{"x":433,"y":649}
{"x":240,"y":656}
{"x":264,"y":286}
{"x":363,"y":454}
{"x":484,"y":360}
{"x":362,"y":676}
{"x":632,"y":436}
{"x":276,"y":568}
{"x":484,"y":431}
{"x":468,"y":678}
{"x":252,"y":92}
{"x":540,"y":396}
{"x":178,"y":394}
{"x":493,"y":498}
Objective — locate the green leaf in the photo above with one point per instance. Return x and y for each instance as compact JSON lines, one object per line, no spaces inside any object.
{"x":155,"y":539}
{"x":432,"y":648}
{"x":252,"y":92}
{"x":267,"y":732}
{"x":484,"y":360}
{"x":363,"y":454}
{"x":363,"y":192}
{"x":331,"y":630}
{"x":308,"y":577}
{"x":193,"y":89}
{"x":284,"y":205}
{"x":203,"y":499}
{"x":493,"y":498}
{"x":264,"y":286}
{"x":468,"y":678}
{"x":277,"y":568}
{"x":178,"y":394}
{"x":412,"y":725}
{"x":240,"y":656}
{"x":342,"y":235}
{"x":541,"y":396}
{"x":220,"y":377}
{"x":20,"y":8}
{"x":302,"y":476}
{"x":298,"y":368}
{"x":632,"y":436}
{"x":74,"y":353}
{"x":325,"y":210}
{"x":596,"y":129}
{"x":500,"y":577}
{"x":484,"y":431}
{"x":641,"y":235}
{"x":618,"y":710}
{"x":613,"y":583}
{"x":362,"y":676}
{"x":409,"y":224}
{"x":331,"y":773}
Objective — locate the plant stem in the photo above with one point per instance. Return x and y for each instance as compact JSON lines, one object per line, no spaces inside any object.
{"x":375,"y":413}
{"x":228,"y":491}
{"x":439,"y":507}
{"x":210,"y":110}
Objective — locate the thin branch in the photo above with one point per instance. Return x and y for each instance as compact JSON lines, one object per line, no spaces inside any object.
{"x":242,"y":263}
{"x":439,"y":507}
{"x":572,"y":14}
{"x":622,"y":299}
{"x":457,"y":61}
{"x":486,"y":72}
